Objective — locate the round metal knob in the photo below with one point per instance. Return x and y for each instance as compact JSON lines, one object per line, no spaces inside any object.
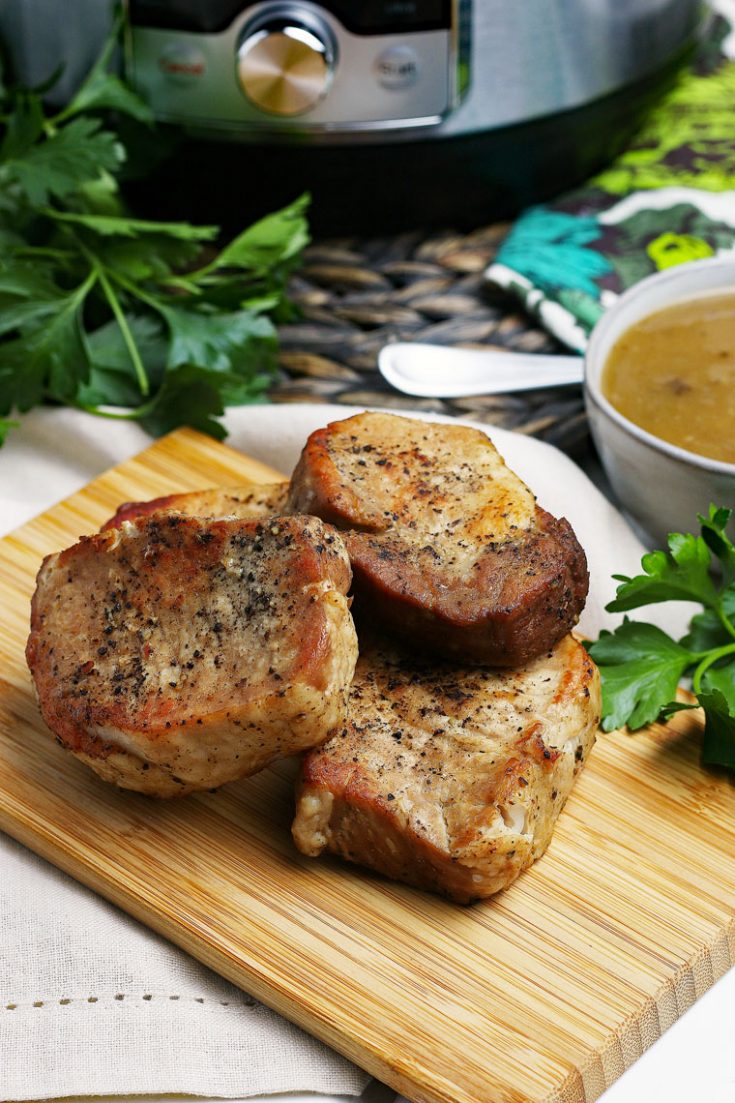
{"x":284,"y":68}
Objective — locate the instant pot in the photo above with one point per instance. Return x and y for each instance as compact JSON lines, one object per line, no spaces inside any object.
{"x":396,"y":112}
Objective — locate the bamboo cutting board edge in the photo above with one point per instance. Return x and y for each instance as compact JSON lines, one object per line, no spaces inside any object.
{"x":641,"y":1030}
{"x":185,"y":460}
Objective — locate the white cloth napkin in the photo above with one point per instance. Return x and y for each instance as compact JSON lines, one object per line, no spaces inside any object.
{"x":91,"y":1003}
{"x":94,"y":1004}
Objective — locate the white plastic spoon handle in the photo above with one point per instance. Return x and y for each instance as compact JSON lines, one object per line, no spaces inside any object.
{"x":433,"y":371}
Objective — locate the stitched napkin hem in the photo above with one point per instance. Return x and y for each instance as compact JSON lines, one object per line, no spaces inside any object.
{"x":51,"y":1049}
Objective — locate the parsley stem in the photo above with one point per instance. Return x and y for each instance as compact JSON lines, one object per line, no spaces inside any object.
{"x":128,"y":415}
{"x":136,"y":290}
{"x":98,"y":412}
{"x":98,"y":271}
{"x":710,"y":658}
{"x":117,"y":310}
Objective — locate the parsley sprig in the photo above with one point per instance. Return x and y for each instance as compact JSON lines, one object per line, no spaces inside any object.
{"x":121,"y":316}
{"x":641,"y":666}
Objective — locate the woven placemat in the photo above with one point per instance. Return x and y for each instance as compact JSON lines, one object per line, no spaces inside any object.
{"x":356,"y":295}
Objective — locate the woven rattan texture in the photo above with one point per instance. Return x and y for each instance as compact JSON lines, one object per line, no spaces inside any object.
{"x":355,"y":295}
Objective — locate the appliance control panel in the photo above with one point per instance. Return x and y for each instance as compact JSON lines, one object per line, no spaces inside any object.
{"x":294,"y":66}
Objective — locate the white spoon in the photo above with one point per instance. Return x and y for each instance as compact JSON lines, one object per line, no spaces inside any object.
{"x":433,"y":371}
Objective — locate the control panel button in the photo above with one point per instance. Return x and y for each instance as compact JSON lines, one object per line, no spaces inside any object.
{"x":182,"y":63}
{"x":284,"y":68}
{"x":397,"y":67}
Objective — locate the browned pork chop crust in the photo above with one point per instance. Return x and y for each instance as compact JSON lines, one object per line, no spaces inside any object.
{"x":448,"y":547}
{"x":247,"y":503}
{"x":176,"y":654}
{"x":450,"y":779}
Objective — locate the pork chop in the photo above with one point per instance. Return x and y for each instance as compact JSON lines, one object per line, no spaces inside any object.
{"x":450,"y":779}
{"x":176,"y":654}
{"x":247,"y":503}
{"x":448,"y":547}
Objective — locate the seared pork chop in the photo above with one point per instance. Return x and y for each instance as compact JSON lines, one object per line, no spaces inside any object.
{"x":247,"y":503}
{"x":450,"y":779}
{"x":448,"y":547}
{"x":176,"y":654}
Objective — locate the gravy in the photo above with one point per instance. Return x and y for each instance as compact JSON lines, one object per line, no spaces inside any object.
{"x":673,"y":374}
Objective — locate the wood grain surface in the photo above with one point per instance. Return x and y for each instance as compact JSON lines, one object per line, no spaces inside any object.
{"x":545,"y":993}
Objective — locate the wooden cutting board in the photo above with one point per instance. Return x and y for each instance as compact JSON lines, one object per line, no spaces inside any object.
{"x":548,"y":992}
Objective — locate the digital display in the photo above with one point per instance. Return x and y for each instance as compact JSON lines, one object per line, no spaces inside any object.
{"x":205,"y":16}
{"x":389,"y":16}
{"x":368,"y":17}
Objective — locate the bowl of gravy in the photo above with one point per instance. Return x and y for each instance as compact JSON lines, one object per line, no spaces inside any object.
{"x":660,"y":395}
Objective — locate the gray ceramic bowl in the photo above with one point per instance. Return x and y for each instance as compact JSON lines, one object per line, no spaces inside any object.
{"x":661,"y":486}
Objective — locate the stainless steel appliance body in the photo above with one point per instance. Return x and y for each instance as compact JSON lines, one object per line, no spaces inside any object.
{"x":392,"y":70}
{"x":392,"y":112}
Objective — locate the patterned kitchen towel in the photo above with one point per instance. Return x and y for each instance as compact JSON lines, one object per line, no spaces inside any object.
{"x":668,"y":199}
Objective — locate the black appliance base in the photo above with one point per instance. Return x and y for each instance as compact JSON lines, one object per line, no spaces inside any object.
{"x":462,"y":182}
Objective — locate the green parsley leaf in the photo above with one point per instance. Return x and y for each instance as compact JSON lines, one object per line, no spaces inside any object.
{"x":719,"y":543}
{"x":16,"y":315}
{"x":706,"y":632}
{"x":640,"y":668}
{"x":718,"y":745}
{"x":145,"y":257}
{"x":273,"y":240}
{"x":50,"y":360}
{"x":188,"y":396}
{"x":681,"y":575}
{"x":217,"y":339}
{"x":118,"y":226}
{"x":58,"y":165}
{"x":27,"y":295}
{"x":23,"y":280}
{"x":105,"y":90}
{"x":112,"y":379}
{"x":120,"y":315}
